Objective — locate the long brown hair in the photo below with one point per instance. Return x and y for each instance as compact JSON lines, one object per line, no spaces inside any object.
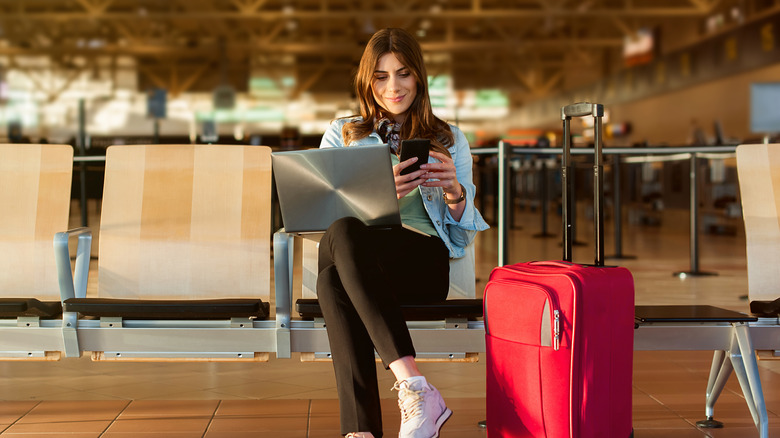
{"x":420,"y":121}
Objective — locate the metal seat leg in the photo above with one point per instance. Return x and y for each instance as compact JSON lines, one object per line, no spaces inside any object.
{"x":743,"y":358}
{"x":719,"y":375}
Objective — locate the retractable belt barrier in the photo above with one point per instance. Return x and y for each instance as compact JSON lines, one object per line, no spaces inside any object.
{"x":505,"y":152}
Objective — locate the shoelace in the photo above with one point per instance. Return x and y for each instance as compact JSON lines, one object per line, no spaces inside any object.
{"x":409,"y":401}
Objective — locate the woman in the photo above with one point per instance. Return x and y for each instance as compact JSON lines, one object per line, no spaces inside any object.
{"x":365,"y":274}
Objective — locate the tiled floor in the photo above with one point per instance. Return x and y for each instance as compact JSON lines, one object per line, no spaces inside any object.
{"x":288,"y":398}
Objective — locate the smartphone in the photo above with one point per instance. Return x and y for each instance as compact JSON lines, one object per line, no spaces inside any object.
{"x":417,"y":147}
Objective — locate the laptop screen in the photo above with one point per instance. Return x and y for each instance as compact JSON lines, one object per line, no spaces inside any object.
{"x":318,"y":186}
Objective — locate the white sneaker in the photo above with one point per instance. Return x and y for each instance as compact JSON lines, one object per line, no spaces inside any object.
{"x":423,"y":411}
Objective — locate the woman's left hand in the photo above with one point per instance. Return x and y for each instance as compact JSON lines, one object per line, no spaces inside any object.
{"x":444,"y":175}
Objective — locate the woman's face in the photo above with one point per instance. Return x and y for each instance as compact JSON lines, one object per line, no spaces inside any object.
{"x":394,"y":86}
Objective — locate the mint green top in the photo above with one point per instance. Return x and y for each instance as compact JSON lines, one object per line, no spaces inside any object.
{"x":412,"y":209}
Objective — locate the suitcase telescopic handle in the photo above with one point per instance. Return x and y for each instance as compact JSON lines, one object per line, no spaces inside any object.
{"x":582,"y":109}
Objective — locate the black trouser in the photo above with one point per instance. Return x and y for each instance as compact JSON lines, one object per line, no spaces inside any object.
{"x":364,"y":275}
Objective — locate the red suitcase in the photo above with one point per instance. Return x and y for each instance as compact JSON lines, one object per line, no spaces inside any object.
{"x":559,"y":336}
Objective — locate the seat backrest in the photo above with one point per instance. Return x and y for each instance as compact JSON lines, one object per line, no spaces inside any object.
{"x":186,"y":222}
{"x":35,"y":183}
{"x":758,"y":167}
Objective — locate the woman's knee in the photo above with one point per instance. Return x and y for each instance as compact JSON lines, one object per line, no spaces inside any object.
{"x":344,"y":230}
{"x":327,"y":278}
{"x":345,"y":227}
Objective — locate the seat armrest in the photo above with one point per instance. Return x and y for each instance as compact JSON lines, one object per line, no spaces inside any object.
{"x":283,"y":276}
{"x":73,"y":283}
{"x":765,"y":309}
{"x":283,"y":284}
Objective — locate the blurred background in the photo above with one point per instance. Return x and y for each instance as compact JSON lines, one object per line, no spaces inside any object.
{"x":276,"y":72}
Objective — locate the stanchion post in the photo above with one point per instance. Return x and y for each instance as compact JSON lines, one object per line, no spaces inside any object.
{"x":694,"y":216}
{"x":82,"y":148}
{"x":544,"y":198}
{"x":617,"y":197}
{"x":573,"y":204}
{"x":694,"y":222}
{"x":516,"y":190}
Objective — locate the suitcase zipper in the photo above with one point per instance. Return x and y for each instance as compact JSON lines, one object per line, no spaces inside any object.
{"x":557,"y":330}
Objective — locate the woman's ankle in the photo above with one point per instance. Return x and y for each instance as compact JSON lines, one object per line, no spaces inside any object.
{"x":404,"y":367}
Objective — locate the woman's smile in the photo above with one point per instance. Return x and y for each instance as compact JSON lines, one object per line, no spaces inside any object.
{"x":394,"y":87}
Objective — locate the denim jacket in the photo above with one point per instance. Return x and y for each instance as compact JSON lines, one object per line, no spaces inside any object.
{"x":456,"y":234}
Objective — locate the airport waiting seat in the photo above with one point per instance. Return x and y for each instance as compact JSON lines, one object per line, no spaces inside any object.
{"x":35,"y":194}
{"x":736,"y":338}
{"x":184,"y":257}
{"x":758,"y":167}
{"x":451,"y":330}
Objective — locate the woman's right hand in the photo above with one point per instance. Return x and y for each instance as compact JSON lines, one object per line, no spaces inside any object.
{"x":406,"y":183}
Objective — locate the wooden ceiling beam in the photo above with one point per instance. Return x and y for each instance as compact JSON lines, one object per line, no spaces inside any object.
{"x":551,"y":83}
{"x":314,"y":15}
{"x":125,"y":31}
{"x":706,"y":6}
{"x":530,"y":79}
{"x":310,"y":81}
{"x":296,"y":48}
{"x":190,"y":80}
{"x":248,"y":6}
{"x":157,"y":80}
{"x":624,"y":27}
{"x":51,"y":94}
{"x":95,"y":7}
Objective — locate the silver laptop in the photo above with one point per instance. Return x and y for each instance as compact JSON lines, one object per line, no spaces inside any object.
{"x":318,"y":186}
